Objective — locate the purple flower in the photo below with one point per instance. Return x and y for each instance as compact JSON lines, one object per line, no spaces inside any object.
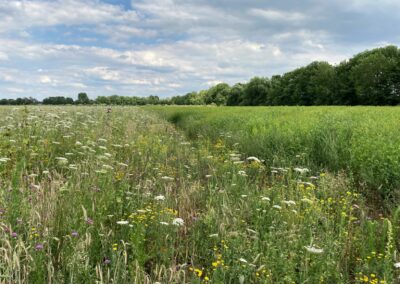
{"x":14,"y":234}
{"x":89,"y":221}
{"x":39,"y":246}
{"x":106,"y":260}
{"x":74,"y":234}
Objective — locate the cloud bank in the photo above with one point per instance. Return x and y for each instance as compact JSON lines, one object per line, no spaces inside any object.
{"x":170,"y":47}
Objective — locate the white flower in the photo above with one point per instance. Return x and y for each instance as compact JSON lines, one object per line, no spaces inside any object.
{"x":396,"y":265}
{"x":159,"y":197}
{"x":122,"y":222}
{"x":178,"y":222}
{"x":263,"y":198}
{"x":108,"y":167}
{"x":253,"y":159}
{"x":277,"y":207}
{"x":242,"y":260}
{"x":315,"y":250}
{"x":243,"y":195}
{"x":289,"y":202}
{"x":164,"y":223}
{"x":62,"y":160}
{"x":301,"y":170}
{"x":4,"y":160}
{"x":167,"y":178}
{"x":242,"y":173}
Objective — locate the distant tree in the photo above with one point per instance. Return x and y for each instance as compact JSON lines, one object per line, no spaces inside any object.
{"x":236,"y":94}
{"x":256,"y":92}
{"x":217,"y":94}
{"x":58,"y":101}
{"x":376,"y":77}
{"x":83,"y":99}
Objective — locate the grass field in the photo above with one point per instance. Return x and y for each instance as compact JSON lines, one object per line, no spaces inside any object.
{"x":364,"y":142}
{"x":88,"y":196}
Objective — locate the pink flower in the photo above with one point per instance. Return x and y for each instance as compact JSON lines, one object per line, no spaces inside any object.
{"x":39,"y":246}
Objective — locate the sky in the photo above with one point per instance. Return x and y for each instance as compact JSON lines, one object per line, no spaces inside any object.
{"x":171,"y":47}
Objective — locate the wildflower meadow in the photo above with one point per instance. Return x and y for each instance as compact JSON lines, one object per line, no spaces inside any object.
{"x":91,"y":195}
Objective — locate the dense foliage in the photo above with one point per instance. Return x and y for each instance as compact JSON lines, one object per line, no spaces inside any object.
{"x":369,"y":78}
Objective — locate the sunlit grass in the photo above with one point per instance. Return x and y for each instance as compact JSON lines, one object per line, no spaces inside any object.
{"x":89,"y":196}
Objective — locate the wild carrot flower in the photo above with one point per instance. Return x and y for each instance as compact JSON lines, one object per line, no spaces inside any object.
{"x":253,"y":159}
{"x":178,"y":222}
{"x":315,"y":250}
{"x":159,"y":197}
{"x":167,"y":178}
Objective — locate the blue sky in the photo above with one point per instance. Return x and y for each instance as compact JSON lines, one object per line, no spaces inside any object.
{"x":171,"y":47}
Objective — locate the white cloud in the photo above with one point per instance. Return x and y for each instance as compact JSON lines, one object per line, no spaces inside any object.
{"x":275,"y":15}
{"x":3,"y":56}
{"x":30,"y":13}
{"x":45,"y":79}
{"x":170,"y":47}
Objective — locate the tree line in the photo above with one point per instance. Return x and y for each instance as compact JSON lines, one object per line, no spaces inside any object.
{"x":368,"y":78}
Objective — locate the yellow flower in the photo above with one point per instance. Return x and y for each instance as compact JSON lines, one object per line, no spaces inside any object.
{"x":199,"y":272}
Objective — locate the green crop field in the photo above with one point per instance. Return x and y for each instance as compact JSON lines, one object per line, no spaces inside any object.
{"x":221,"y":195}
{"x":363,"y":142}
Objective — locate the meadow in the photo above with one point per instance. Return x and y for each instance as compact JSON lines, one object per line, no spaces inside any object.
{"x":362,"y":142}
{"x":230,"y":195}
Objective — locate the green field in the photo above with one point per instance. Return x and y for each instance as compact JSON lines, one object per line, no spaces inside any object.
{"x":88,"y":196}
{"x":363,"y":142}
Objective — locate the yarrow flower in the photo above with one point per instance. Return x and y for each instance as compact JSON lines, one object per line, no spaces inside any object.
{"x":122,"y":222}
{"x":396,"y":265}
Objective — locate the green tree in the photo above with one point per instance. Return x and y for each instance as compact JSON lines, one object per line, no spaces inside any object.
{"x":83,"y":98}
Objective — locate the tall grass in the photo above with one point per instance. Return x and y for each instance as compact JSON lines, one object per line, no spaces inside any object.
{"x":362,"y":141}
{"x":88,"y":196}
